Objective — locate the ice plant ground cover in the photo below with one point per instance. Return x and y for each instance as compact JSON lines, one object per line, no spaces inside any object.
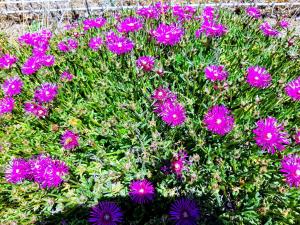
{"x":164,"y":115}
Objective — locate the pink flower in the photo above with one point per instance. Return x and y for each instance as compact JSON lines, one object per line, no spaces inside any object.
{"x":17,"y":171}
{"x":270,"y":135}
{"x":35,"y":109}
{"x":290,"y":167}
{"x":68,"y":45}
{"x":130,"y":24}
{"x":146,"y":63}
{"x":268,"y":30}
{"x":219,"y":120}
{"x":6,"y":61}
{"x":69,"y":140}
{"x":161,"y":94}
{"x":46,"y":92}
{"x":216,"y":73}
{"x":31,"y":66}
{"x":253,"y":12}
{"x":179,"y":163}
{"x":118,"y":45}
{"x":173,"y":114}
{"x":12,"y":86}
{"x":47,"y":60}
{"x":208,"y":13}
{"x":183,"y":12}
{"x":292,"y":89}
{"x":258,"y":77}
{"x":167,"y":34}
{"x":141,"y":191}
{"x":95,"y":43}
{"x":66,"y":76}
{"x":211,"y":29}
{"x":149,"y":12}
{"x":7,"y":104}
{"x":284,"y":23}
{"x":94,"y":23}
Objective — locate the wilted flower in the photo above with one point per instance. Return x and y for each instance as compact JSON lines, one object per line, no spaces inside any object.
{"x":17,"y":171}
{"x":219,"y":120}
{"x":216,"y":73}
{"x":184,"y":211}
{"x":118,"y":45}
{"x":270,"y":135}
{"x":253,"y":12}
{"x":46,"y":92}
{"x":106,"y":213}
{"x":7,"y":105}
{"x":258,"y":77}
{"x":292,"y":89}
{"x":69,"y":140}
{"x":146,"y":63}
{"x":268,"y":30}
{"x":35,"y":109}
{"x":130,"y":24}
{"x":167,"y":34}
{"x":94,"y":23}
{"x":12,"y":86}
{"x":66,"y":76}
{"x":95,"y":43}
{"x":290,"y":167}
{"x":150,"y":12}
{"x":141,"y":191}
{"x":7,"y":60}
{"x":297,"y":137}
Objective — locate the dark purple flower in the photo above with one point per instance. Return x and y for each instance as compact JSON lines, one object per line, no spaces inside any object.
{"x":106,"y":213}
{"x":216,"y":73}
{"x":268,"y":30}
{"x":167,"y":34}
{"x":17,"y":171}
{"x":292,"y":89}
{"x":253,"y":12}
{"x":7,"y":60}
{"x":47,"y":171}
{"x":66,"y":76}
{"x":270,"y":135}
{"x":150,"y":12}
{"x":118,"y":45}
{"x":95,"y":43}
{"x":69,"y":140}
{"x":141,"y":191}
{"x":130,"y":24}
{"x":258,"y":77}
{"x":46,"y":92}
{"x":290,"y":167}
{"x":146,"y":63}
{"x":94,"y":23}
{"x":12,"y":86}
{"x":35,"y":109}
{"x":184,"y":211}
{"x":219,"y":120}
{"x":7,"y":105}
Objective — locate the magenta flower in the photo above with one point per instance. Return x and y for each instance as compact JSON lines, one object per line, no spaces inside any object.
{"x":48,"y":172}
{"x":216,"y":73}
{"x":183,"y":12}
{"x":95,"y":43}
{"x":94,"y":23}
{"x":7,"y":104}
{"x":258,"y":77}
{"x":146,"y":63}
{"x":297,"y":138}
{"x":270,"y":135}
{"x":253,"y":12}
{"x":219,"y":120}
{"x":46,"y":92}
{"x":35,"y":109}
{"x":118,"y":45}
{"x":7,"y":60}
{"x":290,"y":167}
{"x":130,"y":24}
{"x":167,"y":34}
{"x":208,"y":13}
{"x":12,"y":86}
{"x":68,"y":45}
{"x":141,"y":191}
{"x":211,"y":29}
{"x":173,"y":114}
{"x":184,"y":211}
{"x":284,"y":23}
{"x":149,"y":12}
{"x":69,"y":140}
{"x":179,"y":162}
{"x":161,"y":94}
{"x":292,"y":89}
{"x":268,"y":30}
{"x":106,"y":213}
{"x":47,"y":60}
{"x":17,"y":171}
{"x":31,"y":66}
{"x":66,"y":76}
